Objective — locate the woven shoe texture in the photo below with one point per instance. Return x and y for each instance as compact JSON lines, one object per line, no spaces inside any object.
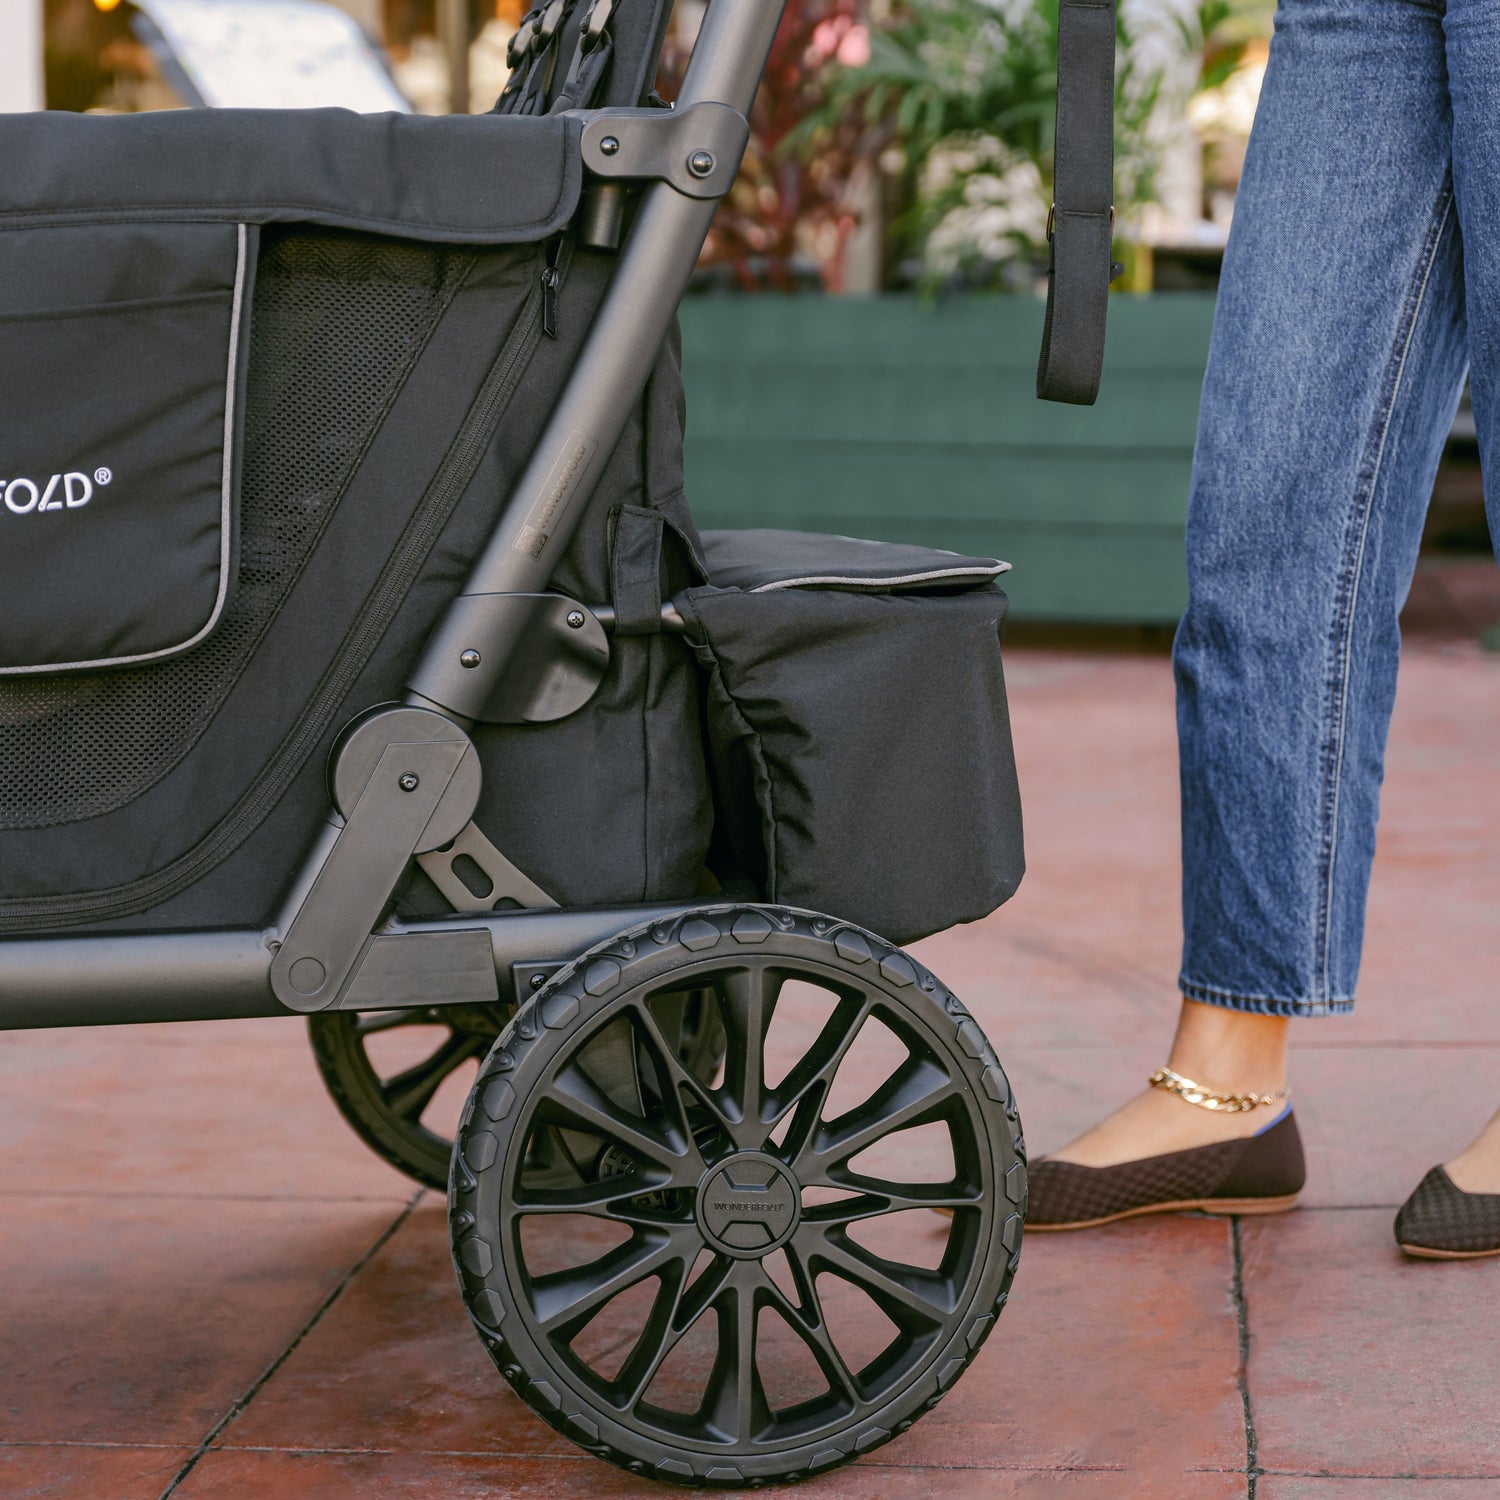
{"x":1440,"y":1216}
{"x":1269,"y":1165}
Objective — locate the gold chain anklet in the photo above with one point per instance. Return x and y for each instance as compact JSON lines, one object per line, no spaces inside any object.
{"x":1194,"y":1093}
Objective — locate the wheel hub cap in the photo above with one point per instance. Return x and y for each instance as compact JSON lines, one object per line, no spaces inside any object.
{"x":748,"y":1205}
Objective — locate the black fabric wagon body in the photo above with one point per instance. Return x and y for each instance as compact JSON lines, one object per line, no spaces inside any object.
{"x":266,"y":379}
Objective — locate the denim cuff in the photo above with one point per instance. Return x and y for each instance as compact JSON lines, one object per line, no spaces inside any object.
{"x":1262,"y":1005}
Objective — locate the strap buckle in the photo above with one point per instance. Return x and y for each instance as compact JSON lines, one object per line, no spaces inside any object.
{"x":520,"y":44}
{"x":592,"y":35}
{"x":551,"y":20}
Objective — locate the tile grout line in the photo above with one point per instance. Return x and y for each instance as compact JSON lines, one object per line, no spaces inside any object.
{"x":1242,"y":1321}
{"x":256,"y":1386}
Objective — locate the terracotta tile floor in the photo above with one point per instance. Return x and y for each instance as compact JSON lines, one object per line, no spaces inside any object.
{"x":209,"y":1288}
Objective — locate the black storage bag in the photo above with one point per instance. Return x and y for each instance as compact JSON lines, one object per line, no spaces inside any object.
{"x":859,"y":734}
{"x":396,"y":378}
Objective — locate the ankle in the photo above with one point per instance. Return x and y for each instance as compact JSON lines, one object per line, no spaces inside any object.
{"x":1230,"y":1051}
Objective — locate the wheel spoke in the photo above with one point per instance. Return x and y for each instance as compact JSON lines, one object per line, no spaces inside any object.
{"x":677,"y":1308}
{"x":812,"y":1076}
{"x":875,"y":1198}
{"x":735,"y":1401}
{"x":749,"y":999}
{"x":409,"y":1093}
{"x":677,"y":1074}
{"x":606,"y":1199}
{"x":810,"y":1325}
{"x":917,"y":1091}
{"x":914,"y":1299}
{"x":564,"y":1301}
{"x":807,"y":1086}
{"x":582,"y":1106}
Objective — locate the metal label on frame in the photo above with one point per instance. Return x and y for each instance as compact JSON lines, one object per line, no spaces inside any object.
{"x":562,"y":483}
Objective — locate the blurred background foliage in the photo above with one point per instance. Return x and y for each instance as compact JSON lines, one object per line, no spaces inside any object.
{"x":927,"y":124}
{"x":896,"y":144}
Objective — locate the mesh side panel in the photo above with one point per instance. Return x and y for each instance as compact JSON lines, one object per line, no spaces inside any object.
{"x":338,"y":320}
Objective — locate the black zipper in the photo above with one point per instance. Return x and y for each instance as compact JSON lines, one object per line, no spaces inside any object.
{"x":380,"y":607}
{"x":552,"y":275}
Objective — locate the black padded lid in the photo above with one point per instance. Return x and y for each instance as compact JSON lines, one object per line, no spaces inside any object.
{"x":459,"y":179}
{"x":761,"y":560}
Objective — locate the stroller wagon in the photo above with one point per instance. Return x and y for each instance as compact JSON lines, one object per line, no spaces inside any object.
{"x":360,"y":660}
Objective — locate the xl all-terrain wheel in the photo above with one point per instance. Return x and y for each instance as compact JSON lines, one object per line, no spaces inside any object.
{"x":400,"y":1077}
{"x":740,"y":1279}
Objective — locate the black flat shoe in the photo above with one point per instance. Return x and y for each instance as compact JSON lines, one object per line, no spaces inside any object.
{"x":1258,"y":1174}
{"x":1442,"y":1222}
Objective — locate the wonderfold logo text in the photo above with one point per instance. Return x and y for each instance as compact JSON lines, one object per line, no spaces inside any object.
{"x":67,"y":491}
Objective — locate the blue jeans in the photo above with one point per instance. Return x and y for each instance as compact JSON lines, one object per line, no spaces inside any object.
{"x":1362,"y":275}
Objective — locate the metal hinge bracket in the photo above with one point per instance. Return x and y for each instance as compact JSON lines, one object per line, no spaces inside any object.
{"x":697,"y":149}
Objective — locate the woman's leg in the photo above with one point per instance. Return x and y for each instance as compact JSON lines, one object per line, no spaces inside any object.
{"x":1472,"y":30}
{"x":1337,"y":358}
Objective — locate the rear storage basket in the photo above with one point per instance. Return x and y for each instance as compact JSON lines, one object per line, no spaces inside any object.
{"x":265,"y":380}
{"x":857,"y":723}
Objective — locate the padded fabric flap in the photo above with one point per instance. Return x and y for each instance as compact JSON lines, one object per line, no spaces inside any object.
{"x":481,"y":179}
{"x":121,"y":363}
{"x":762,"y":561}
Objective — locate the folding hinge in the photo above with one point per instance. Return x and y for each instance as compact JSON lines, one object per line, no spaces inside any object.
{"x":697,"y":149}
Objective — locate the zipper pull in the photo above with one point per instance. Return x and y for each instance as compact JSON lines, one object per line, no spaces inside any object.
{"x":551,"y":280}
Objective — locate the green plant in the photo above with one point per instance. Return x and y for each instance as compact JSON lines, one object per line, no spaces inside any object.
{"x":958,"y":99}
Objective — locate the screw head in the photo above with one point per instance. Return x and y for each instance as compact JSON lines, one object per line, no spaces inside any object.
{"x":575,"y":619}
{"x":609,"y":145}
{"x":537,"y":981}
{"x":469,"y":658}
{"x":700,"y":163}
{"x":409,"y":781}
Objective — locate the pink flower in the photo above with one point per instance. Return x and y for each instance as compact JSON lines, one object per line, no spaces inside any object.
{"x":825,"y":38}
{"x":854,"y":50}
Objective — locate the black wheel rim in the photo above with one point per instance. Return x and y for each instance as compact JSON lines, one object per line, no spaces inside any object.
{"x":710,"y":1181}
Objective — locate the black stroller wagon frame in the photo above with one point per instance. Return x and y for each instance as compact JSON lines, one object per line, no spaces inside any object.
{"x":627,"y":1080}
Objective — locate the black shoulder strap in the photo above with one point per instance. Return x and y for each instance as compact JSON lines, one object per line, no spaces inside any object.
{"x":1081,"y":224}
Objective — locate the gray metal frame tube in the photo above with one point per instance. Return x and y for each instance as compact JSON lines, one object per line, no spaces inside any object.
{"x":138,"y":976}
{"x":130,"y":978}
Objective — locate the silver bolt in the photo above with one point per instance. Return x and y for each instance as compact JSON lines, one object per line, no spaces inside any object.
{"x":575,"y":619}
{"x":469,"y":658}
{"x":700,"y":163}
{"x":409,"y":781}
{"x":609,"y":145}
{"x":537,"y":981}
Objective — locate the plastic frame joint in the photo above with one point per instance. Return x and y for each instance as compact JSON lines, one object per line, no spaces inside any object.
{"x":695,"y":150}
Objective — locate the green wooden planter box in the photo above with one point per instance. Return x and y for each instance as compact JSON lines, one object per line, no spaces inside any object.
{"x":886,"y":418}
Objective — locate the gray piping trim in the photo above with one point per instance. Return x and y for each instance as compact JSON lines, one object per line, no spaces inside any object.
{"x":879,"y":585}
{"x":226,"y":503}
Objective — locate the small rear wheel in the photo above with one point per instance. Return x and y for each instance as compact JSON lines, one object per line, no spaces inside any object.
{"x":399,"y":1077}
{"x":737,"y":1279}
{"x":385,"y":1069}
